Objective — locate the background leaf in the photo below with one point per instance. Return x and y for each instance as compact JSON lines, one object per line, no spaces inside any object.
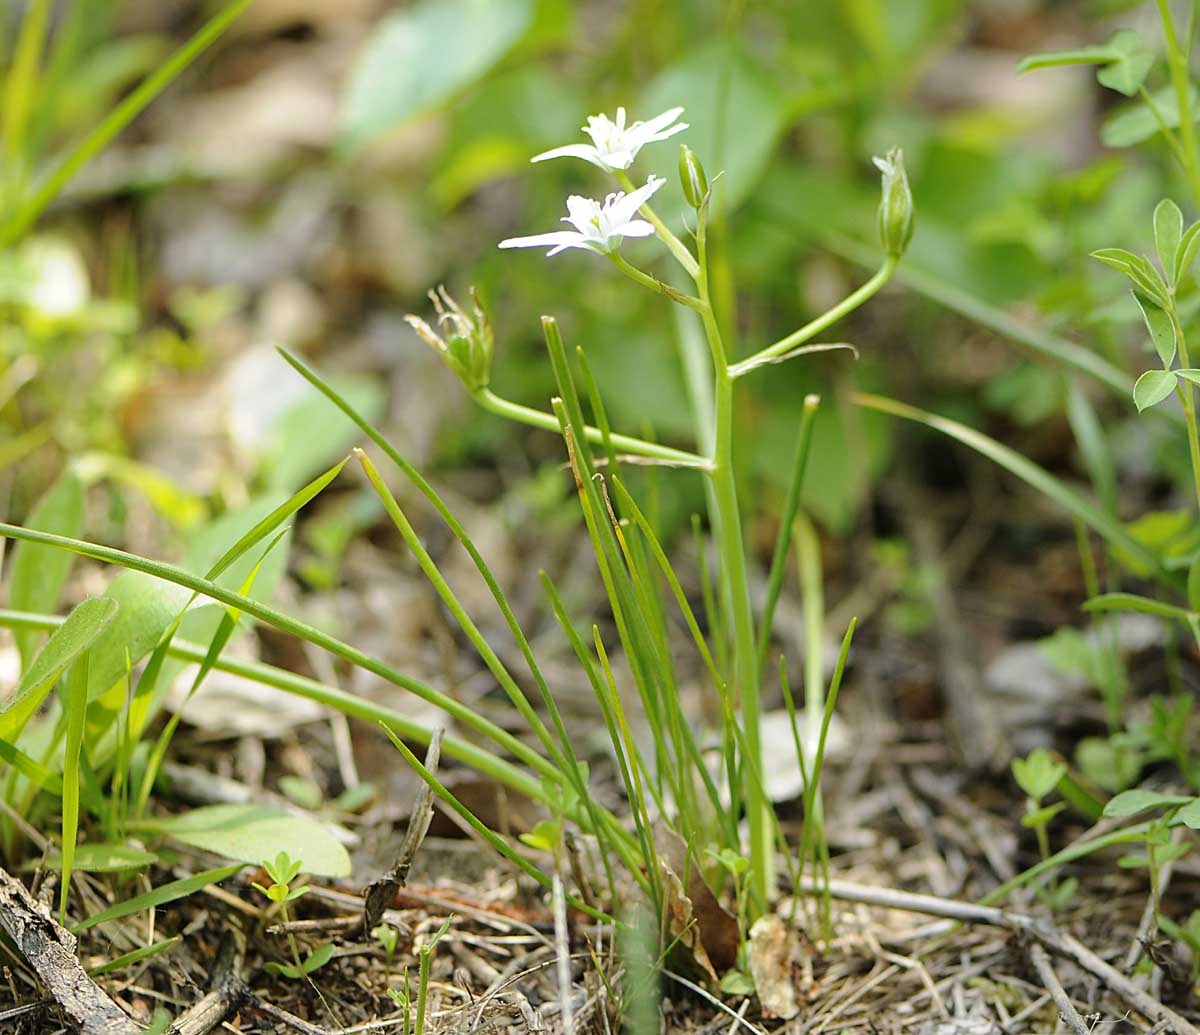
{"x":424,"y":54}
{"x":252,"y":833}
{"x":38,"y":572}
{"x":1152,"y":388}
{"x":735,"y":113}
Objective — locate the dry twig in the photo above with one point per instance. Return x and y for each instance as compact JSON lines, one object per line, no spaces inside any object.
{"x":50,"y":950}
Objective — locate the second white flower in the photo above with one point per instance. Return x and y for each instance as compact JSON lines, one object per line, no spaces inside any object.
{"x":599,"y":227}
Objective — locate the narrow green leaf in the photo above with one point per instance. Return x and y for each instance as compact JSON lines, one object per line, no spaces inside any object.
{"x":1093,"y":446}
{"x":159,"y":896}
{"x":75,"y":707}
{"x":32,"y":770}
{"x":118,"y":119}
{"x":1193,"y":585}
{"x":82,"y":628}
{"x":1161,"y":328}
{"x":1152,"y":388}
{"x":1186,"y":253}
{"x":39,"y":572}
{"x":128,"y":959}
{"x":1129,"y":803}
{"x":1132,"y":602}
{"x":1098,"y":55}
{"x":1189,"y":374}
{"x":1168,"y":230}
{"x":1026,"y":470}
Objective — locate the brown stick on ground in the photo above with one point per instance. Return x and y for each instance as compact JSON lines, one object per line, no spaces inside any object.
{"x":227,"y":990}
{"x":50,"y":950}
{"x":1058,"y":942}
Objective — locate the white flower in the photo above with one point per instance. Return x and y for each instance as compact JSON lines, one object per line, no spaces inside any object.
{"x":598,"y":227}
{"x":615,"y":145}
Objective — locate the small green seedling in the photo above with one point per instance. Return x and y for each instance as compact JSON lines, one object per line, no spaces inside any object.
{"x":401,"y":998}
{"x":1038,"y":775}
{"x":282,"y":871}
{"x":388,"y":937}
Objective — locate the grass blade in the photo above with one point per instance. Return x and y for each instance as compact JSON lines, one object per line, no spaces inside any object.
{"x":160,"y":896}
{"x":1029,"y":472}
{"x":118,"y":119}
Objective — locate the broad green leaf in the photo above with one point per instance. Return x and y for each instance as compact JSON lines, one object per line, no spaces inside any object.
{"x":422,"y":55}
{"x":303,"y":442}
{"x":1189,"y":374}
{"x":253,"y":833}
{"x":159,"y":896}
{"x":106,"y":858}
{"x":1189,"y":815}
{"x":1152,"y":388}
{"x":1161,"y":328}
{"x":1127,"y":74}
{"x":1129,"y":803}
{"x":1168,"y":230}
{"x":735,"y":112}
{"x":38,"y":572}
{"x":1110,"y":766}
{"x":80,"y":631}
{"x":1038,"y":774}
{"x":1040,"y":817}
{"x":1132,"y":602}
{"x":1136,"y":122}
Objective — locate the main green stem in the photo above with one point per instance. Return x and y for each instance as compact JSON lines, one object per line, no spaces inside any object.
{"x":1184,"y":388}
{"x":733,"y":564}
{"x":1178,"y":63}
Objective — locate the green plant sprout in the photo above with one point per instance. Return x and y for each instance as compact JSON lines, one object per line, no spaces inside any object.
{"x":283,"y":870}
{"x":388,"y":937}
{"x":400,"y":996}
{"x":1038,"y":775}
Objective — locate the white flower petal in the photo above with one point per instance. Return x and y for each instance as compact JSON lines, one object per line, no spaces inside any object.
{"x":560,"y":238}
{"x":622,"y":209}
{"x":634,"y":228}
{"x":660,"y":122}
{"x":584,"y":151}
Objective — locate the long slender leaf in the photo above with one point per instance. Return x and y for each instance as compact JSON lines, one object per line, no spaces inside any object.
{"x":75,"y":709}
{"x":160,"y":896}
{"x":285,"y":623}
{"x":1029,"y":472}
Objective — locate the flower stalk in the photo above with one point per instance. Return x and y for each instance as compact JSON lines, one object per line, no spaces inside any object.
{"x":602,"y":227}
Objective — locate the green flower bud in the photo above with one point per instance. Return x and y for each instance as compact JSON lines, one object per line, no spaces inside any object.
{"x":467,"y":348}
{"x":691,"y":176}
{"x":895,"y":205}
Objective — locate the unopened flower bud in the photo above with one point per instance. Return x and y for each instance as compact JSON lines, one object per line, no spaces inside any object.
{"x":691,"y":176}
{"x":895,"y":205}
{"x":467,"y":347}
